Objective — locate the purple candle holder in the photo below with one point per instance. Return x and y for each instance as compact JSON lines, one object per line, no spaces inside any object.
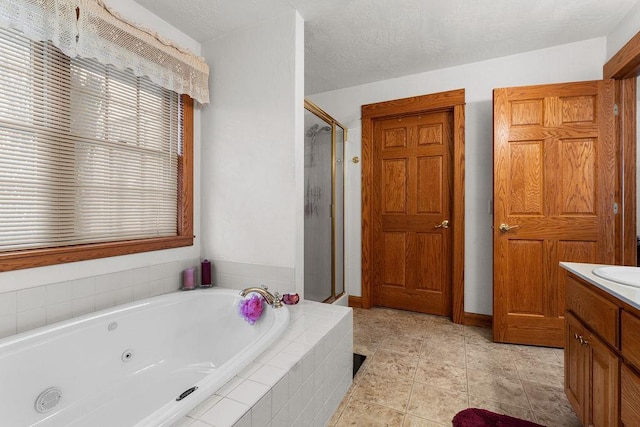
{"x":206,"y":274}
{"x":189,"y":279}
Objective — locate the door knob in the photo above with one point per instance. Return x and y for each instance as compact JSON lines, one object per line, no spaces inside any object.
{"x":506,"y":227}
{"x":443,"y":224}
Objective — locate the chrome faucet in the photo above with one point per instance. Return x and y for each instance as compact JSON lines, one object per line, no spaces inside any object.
{"x":271,"y":299}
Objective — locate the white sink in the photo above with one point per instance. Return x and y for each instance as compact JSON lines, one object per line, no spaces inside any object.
{"x":620,"y":274}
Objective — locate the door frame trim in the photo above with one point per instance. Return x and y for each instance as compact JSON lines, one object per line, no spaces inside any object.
{"x":624,"y":68}
{"x":453,"y":101}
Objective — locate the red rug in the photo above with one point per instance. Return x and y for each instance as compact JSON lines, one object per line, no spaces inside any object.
{"x":474,"y":417}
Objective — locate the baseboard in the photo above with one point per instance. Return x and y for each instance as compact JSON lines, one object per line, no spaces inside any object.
{"x":474,"y":319}
{"x":355,"y":302}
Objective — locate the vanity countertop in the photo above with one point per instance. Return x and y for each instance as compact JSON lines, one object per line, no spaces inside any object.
{"x":628,"y":294}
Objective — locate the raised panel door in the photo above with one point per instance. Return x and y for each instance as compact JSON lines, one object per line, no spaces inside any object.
{"x":412,"y":178}
{"x":554,"y":181}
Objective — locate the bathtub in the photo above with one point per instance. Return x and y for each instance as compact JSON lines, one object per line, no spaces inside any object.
{"x":146,"y":363}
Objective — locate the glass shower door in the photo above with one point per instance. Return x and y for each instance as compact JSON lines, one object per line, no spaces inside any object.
{"x":318,"y":264}
{"x":324,"y":140}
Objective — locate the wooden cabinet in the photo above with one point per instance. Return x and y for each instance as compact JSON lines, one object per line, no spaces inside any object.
{"x":630,"y":397}
{"x":602,"y":356}
{"x":591,"y":376}
{"x":575,"y":367}
{"x":603,"y":396}
{"x":630,"y":346}
{"x":630,"y":380}
{"x":593,"y":309}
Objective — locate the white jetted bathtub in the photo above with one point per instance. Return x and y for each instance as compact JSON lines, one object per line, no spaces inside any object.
{"x":146,"y":363}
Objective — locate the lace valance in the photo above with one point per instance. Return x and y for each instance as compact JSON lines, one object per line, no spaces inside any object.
{"x":107,"y":37}
{"x":88,"y":28}
{"x":41,"y":20}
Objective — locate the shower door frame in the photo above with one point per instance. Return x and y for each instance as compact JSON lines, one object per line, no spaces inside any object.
{"x":319,"y":112}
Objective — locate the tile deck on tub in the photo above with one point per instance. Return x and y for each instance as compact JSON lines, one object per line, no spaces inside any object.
{"x":300,"y":380}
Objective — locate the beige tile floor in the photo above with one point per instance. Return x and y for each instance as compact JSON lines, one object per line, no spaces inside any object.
{"x":421,"y":370}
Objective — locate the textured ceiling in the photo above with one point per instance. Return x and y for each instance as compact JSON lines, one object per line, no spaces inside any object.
{"x":352,"y":42}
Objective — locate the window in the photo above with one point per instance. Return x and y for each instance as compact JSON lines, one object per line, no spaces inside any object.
{"x":94,"y":161}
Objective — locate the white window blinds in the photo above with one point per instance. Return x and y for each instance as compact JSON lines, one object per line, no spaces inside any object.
{"x":88,"y":153}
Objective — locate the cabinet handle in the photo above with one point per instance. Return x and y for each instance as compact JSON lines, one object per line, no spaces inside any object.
{"x":582,"y":340}
{"x":575,"y":336}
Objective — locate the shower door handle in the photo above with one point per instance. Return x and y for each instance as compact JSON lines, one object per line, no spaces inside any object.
{"x":443,"y":224}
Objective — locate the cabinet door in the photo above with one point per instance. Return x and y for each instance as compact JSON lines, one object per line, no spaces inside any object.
{"x":604,"y":366}
{"x":576,"y":361}
{"x":630,"y":389}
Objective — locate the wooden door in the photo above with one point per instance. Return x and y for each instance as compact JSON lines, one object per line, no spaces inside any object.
{"x":412,"y":182}
{"x":554,"y":182}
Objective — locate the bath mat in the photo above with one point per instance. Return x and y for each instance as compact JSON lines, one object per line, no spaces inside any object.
{"x":474,"y":417}
{"x":358,"y":360}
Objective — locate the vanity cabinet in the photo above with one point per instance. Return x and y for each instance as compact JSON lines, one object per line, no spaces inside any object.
{"x":591,"y":376}
{"x":629,"y":380}
{"x":602,"y":356}
{"x":630,"y":397}
{"x":575,"y":366}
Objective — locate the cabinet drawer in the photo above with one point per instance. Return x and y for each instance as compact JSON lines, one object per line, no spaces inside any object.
{"x":630,"y":397}
{"x":630,"y":338}
{"x":597,"y":312}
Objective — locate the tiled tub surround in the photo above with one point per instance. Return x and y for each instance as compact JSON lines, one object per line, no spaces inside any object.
{"x":31,"y":308}
{"x":299,"y":381}
{"x":239,"y":275}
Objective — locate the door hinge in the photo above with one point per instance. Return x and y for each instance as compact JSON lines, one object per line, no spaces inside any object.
{"x":615,"y":109}
{"x":615,"y":208}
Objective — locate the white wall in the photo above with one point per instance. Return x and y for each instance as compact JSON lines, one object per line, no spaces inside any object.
{"x":23,"y":291}
{"x":624,"y":31}
{"x":572,"y":62}
{"x":251,"y":149}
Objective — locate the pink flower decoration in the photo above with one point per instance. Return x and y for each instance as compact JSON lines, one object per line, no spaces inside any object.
{"x":251,"y":308}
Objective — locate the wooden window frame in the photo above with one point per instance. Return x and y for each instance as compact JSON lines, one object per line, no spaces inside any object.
{"x":50,"y":256}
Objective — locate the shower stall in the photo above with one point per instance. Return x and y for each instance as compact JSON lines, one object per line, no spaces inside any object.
{"x":324,"y":146}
